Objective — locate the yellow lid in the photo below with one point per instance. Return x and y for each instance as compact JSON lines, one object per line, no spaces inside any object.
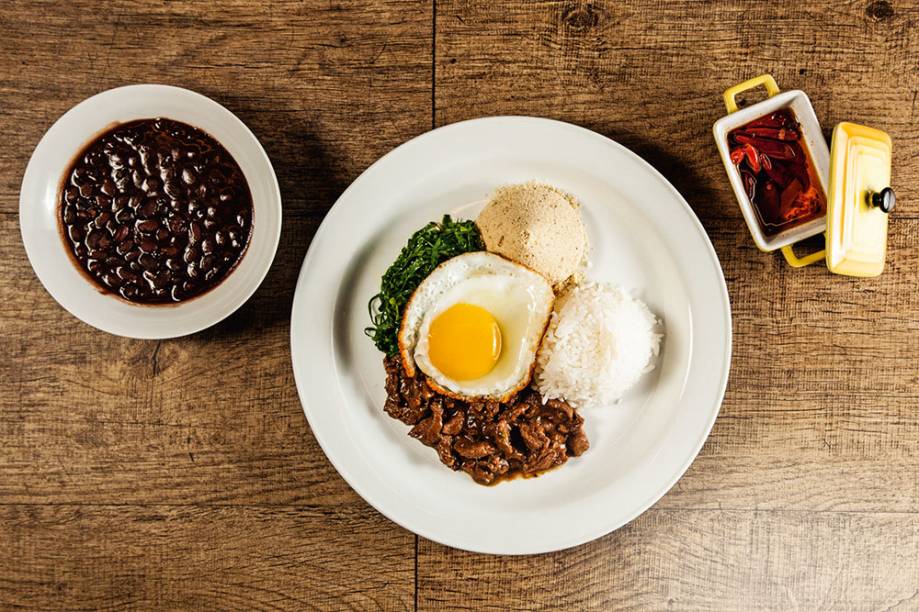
{"x":859,"y":200}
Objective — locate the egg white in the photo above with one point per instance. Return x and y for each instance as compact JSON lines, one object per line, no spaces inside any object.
{"x":519,"y":299}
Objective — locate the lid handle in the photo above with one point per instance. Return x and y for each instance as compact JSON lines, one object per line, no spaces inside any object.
{"x":884,"y":199}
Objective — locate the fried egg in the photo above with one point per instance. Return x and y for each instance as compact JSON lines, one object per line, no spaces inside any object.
{"x":474,"y":325}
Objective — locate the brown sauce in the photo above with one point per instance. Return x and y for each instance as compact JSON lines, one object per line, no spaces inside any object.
{"x":156,"y":211}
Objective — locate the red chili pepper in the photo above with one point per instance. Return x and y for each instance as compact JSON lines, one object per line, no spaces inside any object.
{"x":810,"y":199}
{"x":749,"y":183}
{"x":775,"y":170}
{"x":779,"y":174}
{"x":777,"y":119}
{"x":752,"y":156}
{"x":771,"y":133}
{"x":800,"y":170}
{"x":772,"y":148}
{"x":789,"y":206}
{"x":769,"y":207}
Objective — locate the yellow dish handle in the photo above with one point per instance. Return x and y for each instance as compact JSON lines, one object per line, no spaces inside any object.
{"x":764,"y":79}
{"x":799,"y":262}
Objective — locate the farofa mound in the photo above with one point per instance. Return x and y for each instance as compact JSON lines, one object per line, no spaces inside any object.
{"x":536,"y":225}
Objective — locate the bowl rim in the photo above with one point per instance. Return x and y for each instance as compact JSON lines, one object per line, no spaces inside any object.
{"x":87,"y":120}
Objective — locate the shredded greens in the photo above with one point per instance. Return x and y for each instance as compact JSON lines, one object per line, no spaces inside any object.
{"x":426,"y":249}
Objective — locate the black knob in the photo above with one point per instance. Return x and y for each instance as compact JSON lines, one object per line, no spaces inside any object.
{"x":884,"y":199}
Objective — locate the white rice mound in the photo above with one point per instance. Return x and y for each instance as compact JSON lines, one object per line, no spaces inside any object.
{"x":599,"y":342}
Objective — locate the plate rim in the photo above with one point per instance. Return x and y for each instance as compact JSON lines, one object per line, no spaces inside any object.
{"x":723,"y":300}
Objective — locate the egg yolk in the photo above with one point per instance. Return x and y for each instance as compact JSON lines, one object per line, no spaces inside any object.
{"x":464,"y":342}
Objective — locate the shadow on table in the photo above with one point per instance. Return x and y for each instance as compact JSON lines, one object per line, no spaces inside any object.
{"x":310,"y":182}
{"x":696,"y":189}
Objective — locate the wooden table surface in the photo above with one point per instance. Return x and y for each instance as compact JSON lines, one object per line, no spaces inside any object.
{"x":182,"y":474}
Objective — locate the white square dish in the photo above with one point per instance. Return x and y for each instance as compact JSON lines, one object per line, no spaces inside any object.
{"x":816,"y":145}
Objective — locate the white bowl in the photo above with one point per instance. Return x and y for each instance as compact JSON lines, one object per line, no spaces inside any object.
{"x":800,"y":104}
{"x":41,"y":234}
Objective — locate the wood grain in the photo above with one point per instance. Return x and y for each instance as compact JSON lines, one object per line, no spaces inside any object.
{"x":72,"y":438}
{"x":194,"y":557}
{"x":824,"y":387}
{"x":327,"y":87}
{"x":189,"y":417}
{"x":650,"y":74}
{"x":182,"y":474}
{"x":696,"y":560}
{"x":820,"y":414}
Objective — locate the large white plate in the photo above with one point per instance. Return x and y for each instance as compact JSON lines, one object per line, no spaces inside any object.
{"x":644,"y":236}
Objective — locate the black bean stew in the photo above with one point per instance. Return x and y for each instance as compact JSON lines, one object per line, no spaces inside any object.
{"x":156,"y":211}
